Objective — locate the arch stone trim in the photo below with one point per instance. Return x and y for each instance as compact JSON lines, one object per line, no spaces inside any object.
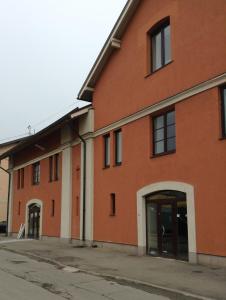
{"x":141,"y":214}
{"x":40,"y":204}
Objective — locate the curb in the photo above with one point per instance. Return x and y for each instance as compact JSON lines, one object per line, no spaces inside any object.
{"x":111,"y":277}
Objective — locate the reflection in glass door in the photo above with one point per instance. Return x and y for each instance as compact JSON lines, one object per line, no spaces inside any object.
{"x":167,"y":230}
{"x":166,"y":218}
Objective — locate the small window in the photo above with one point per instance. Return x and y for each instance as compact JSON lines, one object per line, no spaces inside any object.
{"x":53,"y":208}
{"x":160,"y":37}
{"x":112,"y":205}
{"x":20,"y":179}
{"x":164,"y":133}
{"x":36,"y":173}
{"x":107,"y":151}
{"x":223,"y":110}
{"x":118,"y":147}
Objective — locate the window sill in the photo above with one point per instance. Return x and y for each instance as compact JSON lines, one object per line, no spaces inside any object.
{"x":36,"y":184}
{"x":163,"y":67}
{"x":117,"y":164}
{"x":106,"y":167}
{"x":112,"y":215}
{"x":163,"y":154}
{"x":222,"y":138}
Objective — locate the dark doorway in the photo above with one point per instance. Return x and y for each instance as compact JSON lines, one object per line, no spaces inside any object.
{"x":166,"y":218}
{"x":33,"y":221}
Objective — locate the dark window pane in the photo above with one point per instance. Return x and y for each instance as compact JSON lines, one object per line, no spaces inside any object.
{"x":170,"y":118}
{"x":171,"y":131}
{"x":167,"y":45}
{"x":171,"y":144}
{"x":159,"y":135}
{"x":159,"y":147}
{"x":118,"y":147}
{"x":107,"y":151}
{"x":224,"y":112}
{"x":159,"y":122}
{"x":157,"y":51}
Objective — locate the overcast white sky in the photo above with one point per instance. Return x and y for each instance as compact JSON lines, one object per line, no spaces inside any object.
{"x":47,"y":48}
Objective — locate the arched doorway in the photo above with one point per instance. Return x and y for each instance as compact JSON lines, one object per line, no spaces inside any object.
{"x":34,"y":221}
{"x":166,"y":222}
{"x":142,"y":195}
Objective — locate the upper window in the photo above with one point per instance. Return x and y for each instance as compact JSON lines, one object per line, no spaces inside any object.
{"x":223,"y":103}
{"x":160,"y":45}
{"x":20,"y":179}
{"x":164,"y":133}
{"x":54,"y":167}
{"x":36,"y":173}
{"x":118,"y":147}
{"x":107,"y":150}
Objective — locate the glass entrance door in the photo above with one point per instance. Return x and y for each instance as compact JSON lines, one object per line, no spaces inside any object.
{"x":166,"y":219}
{"x":33,"y":222}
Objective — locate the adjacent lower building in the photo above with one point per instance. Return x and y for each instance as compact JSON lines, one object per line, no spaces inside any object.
{"x":142,"y":168}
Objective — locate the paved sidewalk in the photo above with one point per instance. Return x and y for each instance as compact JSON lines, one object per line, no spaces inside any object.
{"x":169,"y":274}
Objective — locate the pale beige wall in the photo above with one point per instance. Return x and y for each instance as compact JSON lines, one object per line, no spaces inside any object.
{"x":4,"y":183}
{"x":3,"y":190}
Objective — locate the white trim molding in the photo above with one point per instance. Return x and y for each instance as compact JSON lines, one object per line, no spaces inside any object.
{"x":66,"y":194}
{"x":202,"y":87}
{"x":141,"y":213}
{"x":40,"y":204}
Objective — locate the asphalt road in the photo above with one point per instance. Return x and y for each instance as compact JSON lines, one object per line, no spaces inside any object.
{"x":22,"y":278}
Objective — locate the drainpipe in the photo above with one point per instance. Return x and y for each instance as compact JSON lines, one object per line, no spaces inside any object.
{"x":84,"y":188}
{"x":9,"y":186}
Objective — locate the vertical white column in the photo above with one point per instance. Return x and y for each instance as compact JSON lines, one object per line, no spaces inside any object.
{"x":66,"y":192}
{"x":89,"y":190}
{"x":86,"y":128}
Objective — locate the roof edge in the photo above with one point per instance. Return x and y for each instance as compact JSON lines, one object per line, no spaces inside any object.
{"x":30,"y":139}
{"x":112,"y":43}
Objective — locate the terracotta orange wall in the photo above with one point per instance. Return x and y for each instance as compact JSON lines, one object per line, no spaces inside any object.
{"x":45,"y":191}
{"x":50,"y":142}
{"x":76,"y":181}
{"x":198,"y":52}
{"x":199,"y":160}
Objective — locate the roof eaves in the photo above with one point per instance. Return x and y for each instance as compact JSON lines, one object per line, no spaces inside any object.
{"x":112,"y":43}
{"x":30,"y":139}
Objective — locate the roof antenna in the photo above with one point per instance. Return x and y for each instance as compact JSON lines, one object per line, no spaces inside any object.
{"x":29,"y":130}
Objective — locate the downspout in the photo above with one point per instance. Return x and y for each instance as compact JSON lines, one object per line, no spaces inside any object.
{"x":84,"y":188}
{"x":9,"y":187}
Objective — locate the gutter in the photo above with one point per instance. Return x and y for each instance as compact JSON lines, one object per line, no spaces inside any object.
{"x":8,"y":198}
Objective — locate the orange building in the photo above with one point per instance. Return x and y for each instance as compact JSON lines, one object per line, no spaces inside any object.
{"x":143,"y":168}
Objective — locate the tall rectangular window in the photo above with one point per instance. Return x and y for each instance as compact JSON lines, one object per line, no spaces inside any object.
{"x":50,"y":168}
{"x":20,"y":178}
{"x":164,"y":133}
{"x":107,"y":150}
{"x":223,"y":110}
{"x":118,"y":147}
{"x":160,"y":45}
{"x":36,"y":173}
{"x":54,"y":167}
